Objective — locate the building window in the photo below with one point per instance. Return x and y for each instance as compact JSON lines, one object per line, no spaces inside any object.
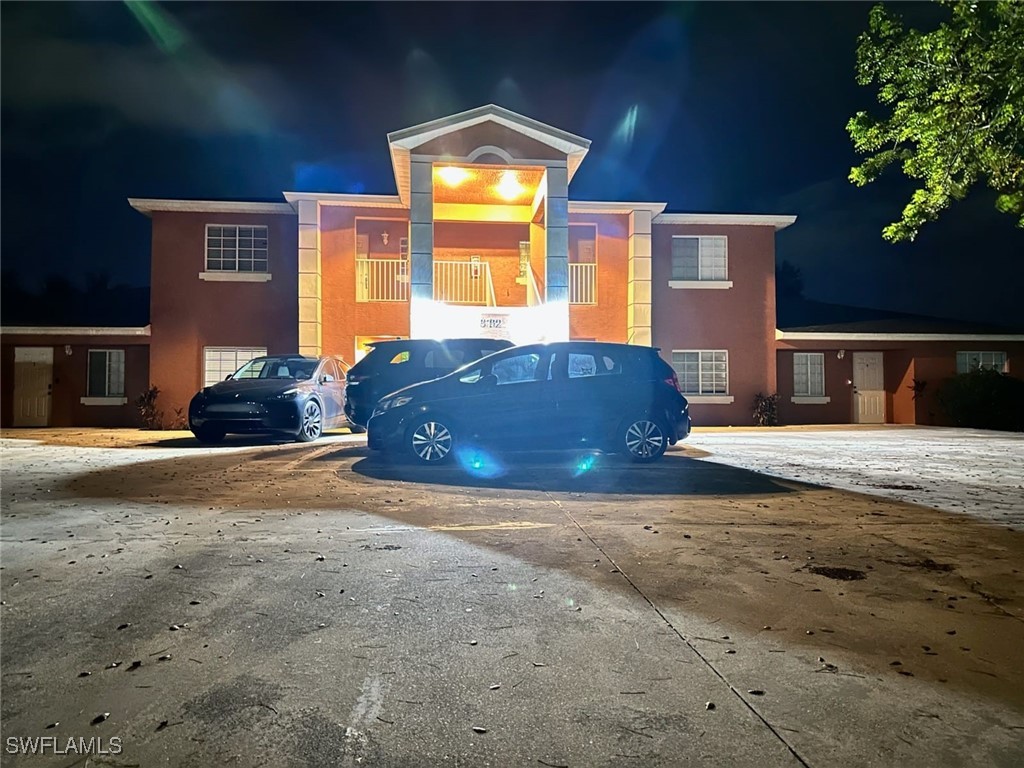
{"x":232,"y":248}
{"x":972,"y":361}
{"x":221,"y":362}
{"x":702,"y":372}
{"x":809,"y":374}
{"x":106,"y":373}
{"x":700,"y":258}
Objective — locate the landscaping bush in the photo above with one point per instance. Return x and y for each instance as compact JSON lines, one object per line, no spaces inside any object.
{"x":152,"y":417}
{"x":766,"y":410}
{"x":983,"y":399}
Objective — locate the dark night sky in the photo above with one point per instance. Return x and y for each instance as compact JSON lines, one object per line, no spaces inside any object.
{"x":738,"y":108}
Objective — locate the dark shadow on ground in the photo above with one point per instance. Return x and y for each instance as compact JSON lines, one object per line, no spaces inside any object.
{"x":575,"y":473}
{"x":243,"y":441}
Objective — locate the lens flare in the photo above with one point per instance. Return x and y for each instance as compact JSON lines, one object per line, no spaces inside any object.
{"x":479,"y":463}
{"x":584,"y":464}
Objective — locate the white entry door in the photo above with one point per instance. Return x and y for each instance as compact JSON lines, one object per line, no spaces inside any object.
{"x":33,"y":386}
{"x":868,"y":388}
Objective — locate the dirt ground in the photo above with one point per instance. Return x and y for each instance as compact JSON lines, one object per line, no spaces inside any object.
{"x":830,"y":627}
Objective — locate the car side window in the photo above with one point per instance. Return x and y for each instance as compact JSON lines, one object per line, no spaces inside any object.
{"x":581,"y":365}
{"x":517,"y":369}
{"x":330,"y":369}
{"x":444,"y":358}
{"x":584,"y":364}
{"x":399,"y":358}
{"x":472,"y":377}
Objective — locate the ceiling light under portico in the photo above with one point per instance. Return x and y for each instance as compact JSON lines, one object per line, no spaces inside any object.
{"x":509,"y":186}
{"x":452,"y":175}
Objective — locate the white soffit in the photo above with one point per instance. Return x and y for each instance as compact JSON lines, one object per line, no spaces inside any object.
{"x":403,"y":141}
{"x":74,"y":330}
{"x":346,"y":200}
{"x":609,"y":206}
{"x":736,"y":219}
{"x":824,"y":336}
{"x":148,"y":205}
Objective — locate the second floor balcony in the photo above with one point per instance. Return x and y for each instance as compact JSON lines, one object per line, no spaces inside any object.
{"x":456,"y":282}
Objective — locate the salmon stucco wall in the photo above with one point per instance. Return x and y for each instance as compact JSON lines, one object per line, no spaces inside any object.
{"x":70,"y":379}
{"x":497,"y":244}
{"x":740,"y":319}
{"x":929,"y":363}
{"x":606,"y":320}
{"x":344,"y":318}
{"x":189,"y":314}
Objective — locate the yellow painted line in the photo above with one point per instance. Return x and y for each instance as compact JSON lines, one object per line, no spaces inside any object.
{"x":507,"y":526}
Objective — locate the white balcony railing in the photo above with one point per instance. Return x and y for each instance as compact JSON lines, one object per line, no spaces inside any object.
{"x":463,"y":282}
{"x":583,"y":283}
{"x":382,"y":280}
{"x":455,"y":282}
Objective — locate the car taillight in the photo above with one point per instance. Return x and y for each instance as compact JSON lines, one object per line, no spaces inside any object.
{"x":674,"y":381}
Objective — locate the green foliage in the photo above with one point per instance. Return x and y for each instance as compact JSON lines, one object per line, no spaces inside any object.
{"x":766,"y":410}
{"x":984,"y":399}
{"x":152,"y":417}
{"x":955,"y":103}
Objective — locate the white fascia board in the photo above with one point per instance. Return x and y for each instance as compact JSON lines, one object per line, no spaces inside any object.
{"x":563,"y":141}
{"x":610,"y":206}
{"x":734,"y":219}
{"x":73,"y":330}
{"x":148,"y":205}
{"x":820,"y":336}
{"x":345,"y":200}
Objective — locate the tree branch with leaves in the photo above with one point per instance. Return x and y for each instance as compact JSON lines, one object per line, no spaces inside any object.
{"x":955,"y":103}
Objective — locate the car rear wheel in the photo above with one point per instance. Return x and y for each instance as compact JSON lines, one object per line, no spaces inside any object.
{"x":431,"y":441}
{"x":312,"y":422}
{"x":645,"y":439}
{"x":209,"y":434}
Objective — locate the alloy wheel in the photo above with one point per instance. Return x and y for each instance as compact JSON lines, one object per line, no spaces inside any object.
{"x":645,"y":439}
{"x":431,"y":441}
{"x":312,"y":421}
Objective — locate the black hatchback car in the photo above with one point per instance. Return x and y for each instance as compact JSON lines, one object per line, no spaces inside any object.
{"x":618,"y":398}
{"x":394,"y":364}
{"x":294,"y":394}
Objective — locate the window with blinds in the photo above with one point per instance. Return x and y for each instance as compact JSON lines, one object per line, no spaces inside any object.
{"x":220,"y":362}
{"x":809,"y":374}
{"x":702,"y":372}
{"x":703,"y":257}
{"x":106,"y":373}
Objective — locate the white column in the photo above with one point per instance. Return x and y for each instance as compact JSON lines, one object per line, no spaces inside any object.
{"x":421,"y":230}
{"x":556,"y":250}
{"x":638,"y":276}
{"x":310,"y":296}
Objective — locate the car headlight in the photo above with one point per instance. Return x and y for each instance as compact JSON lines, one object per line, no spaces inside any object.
{"x":288,"y":394}
{"x":396,"y":402}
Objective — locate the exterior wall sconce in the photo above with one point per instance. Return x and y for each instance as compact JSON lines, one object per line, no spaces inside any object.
{"x":67,"y":350}
{"x":840,"y":354}
{"x":384,"y":237}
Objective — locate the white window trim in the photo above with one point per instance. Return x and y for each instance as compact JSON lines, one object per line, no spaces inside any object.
{"x":108,"y":397}
{"x":701,"y":282}
{"x":1006,"y":359}
{"x":697,"y":397}
{"x":235,"y":277}
{"x":235,"y":271}
{"x":709,"y":399}
{"x":103,"y":400}
{"x":714,"y":284}
{"x":810,"y":400}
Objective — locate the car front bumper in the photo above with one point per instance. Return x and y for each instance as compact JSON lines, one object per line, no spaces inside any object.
{"x":283,"y":416}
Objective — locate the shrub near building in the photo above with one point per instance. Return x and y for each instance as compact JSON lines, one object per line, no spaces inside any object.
{"x":984,"y":399}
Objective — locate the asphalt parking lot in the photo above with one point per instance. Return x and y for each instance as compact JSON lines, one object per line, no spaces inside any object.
{"x":312,"y":605}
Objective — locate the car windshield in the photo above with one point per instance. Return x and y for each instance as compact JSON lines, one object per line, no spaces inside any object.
{"x":277,"y":368}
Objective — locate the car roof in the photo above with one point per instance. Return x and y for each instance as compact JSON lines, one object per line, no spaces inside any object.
{"x":474,"y":340}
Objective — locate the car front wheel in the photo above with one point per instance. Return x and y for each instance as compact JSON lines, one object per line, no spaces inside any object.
{"x":312,"y":422}
{"x":431,"y":441}
{"x":645,"y":439}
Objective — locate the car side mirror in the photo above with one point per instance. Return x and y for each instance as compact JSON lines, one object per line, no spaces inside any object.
{"x":326,"y":379}
{"x":228,"y":376}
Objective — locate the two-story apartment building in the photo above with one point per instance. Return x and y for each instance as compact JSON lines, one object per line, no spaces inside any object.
{"x":481,"y":238}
